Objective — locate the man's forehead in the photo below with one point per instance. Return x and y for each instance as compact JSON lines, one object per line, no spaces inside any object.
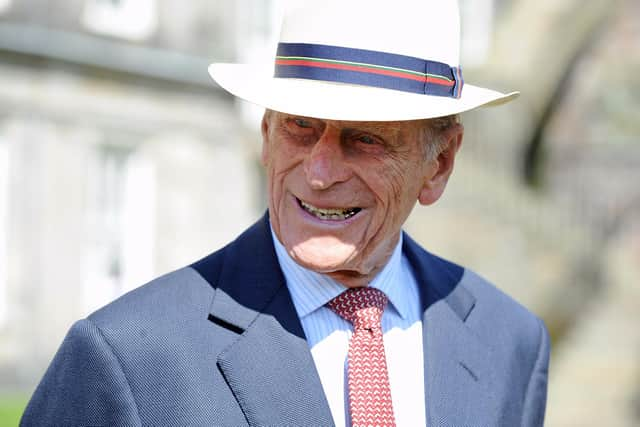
{"x":385,"y":127}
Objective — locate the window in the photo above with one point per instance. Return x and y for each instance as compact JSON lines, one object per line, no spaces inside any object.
{"x":4,"y":202}
{"x":139,"y":213}
{"x":121,"y":225}
{"x":4,"y":5}
{"x":257,"y":31}
{"x":104,"y":261}
{"x":130,"y":19}
{"x":477,"y":23}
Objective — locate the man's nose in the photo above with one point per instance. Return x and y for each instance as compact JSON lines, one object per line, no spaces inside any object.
{"x":325,"y":164}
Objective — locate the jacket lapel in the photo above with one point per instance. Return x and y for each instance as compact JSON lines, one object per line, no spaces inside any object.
{"x":271,"y":356}
{"x":457,"y":366}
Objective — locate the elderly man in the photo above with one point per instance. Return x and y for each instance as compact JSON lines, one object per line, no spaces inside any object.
{"x":324,"y":312}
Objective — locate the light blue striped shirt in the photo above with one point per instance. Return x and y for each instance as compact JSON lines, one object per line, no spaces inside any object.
{"x":328,"y":334}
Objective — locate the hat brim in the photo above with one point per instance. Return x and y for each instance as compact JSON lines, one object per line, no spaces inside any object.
{"x":337,"y":101}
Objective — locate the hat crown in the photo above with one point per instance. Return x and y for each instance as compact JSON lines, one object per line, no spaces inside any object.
{"x":425,"y":29}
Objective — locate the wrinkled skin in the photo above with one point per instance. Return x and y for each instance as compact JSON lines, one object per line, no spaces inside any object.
{"x":378,"y":167}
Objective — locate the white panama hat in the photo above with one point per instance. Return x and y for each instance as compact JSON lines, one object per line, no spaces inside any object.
{"x":363,"y":60}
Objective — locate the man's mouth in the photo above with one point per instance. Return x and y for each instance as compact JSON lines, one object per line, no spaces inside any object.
{"x":339,"y":214}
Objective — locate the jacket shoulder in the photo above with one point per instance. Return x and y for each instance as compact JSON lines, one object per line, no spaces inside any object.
{"x":168,"y":296}
{"x":496,"y":308}
{"x":187,"y":291}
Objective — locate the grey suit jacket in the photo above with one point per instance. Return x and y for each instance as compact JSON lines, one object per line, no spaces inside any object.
{"x":219,"y":343}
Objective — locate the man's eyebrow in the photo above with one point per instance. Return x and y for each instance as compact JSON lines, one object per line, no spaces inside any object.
{"x":373,"y":127}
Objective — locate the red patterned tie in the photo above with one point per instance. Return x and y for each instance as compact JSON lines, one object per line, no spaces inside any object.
{"x":369,"y":393}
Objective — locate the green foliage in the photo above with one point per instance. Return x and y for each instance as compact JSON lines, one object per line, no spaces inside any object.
{"x":11,"y":408}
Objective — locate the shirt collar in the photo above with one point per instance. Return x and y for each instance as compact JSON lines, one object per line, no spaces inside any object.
{"x":311,"y":291}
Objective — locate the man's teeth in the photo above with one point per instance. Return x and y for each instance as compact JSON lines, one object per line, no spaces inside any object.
{"x":330,"y":214}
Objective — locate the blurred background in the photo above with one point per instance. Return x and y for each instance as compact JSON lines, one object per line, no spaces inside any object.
{"x":120,"y":160}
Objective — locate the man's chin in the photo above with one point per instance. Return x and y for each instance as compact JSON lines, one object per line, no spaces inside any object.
{"x":324,"y":261}
{"x":342,"y":262}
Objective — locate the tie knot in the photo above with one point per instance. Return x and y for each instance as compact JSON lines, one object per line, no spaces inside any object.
{"x":362,"y":307}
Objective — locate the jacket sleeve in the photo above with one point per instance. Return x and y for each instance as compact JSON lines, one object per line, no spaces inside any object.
{"x":536,"y":397}
{"x":84,"y":385}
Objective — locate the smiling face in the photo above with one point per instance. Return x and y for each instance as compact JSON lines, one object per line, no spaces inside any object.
{"x":339,"y":192}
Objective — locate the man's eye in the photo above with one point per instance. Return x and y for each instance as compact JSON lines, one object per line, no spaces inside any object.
{"x":366,"y":139}
{"x":302,"y":123}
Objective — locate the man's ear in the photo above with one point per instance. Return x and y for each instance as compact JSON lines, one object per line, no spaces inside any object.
{"x":441,"y":167}
{"x":264,"y":128}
